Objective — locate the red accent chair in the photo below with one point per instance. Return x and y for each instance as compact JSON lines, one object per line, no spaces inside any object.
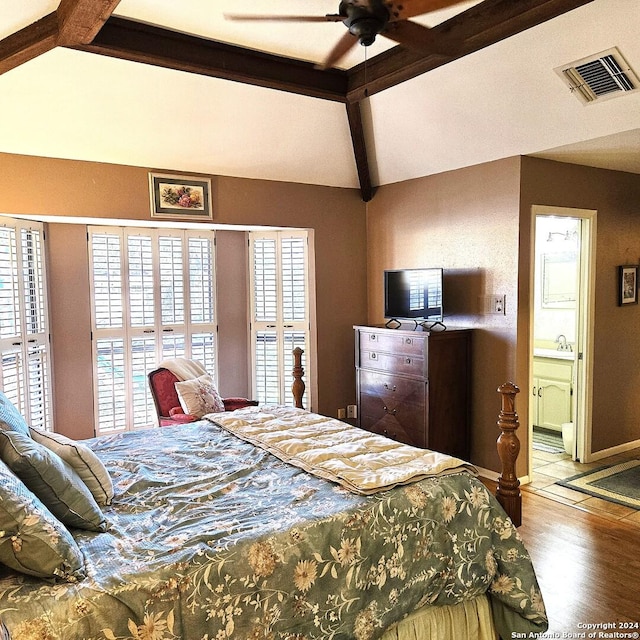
{"x":162,"y":383}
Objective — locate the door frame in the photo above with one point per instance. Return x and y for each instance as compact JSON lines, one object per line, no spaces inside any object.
{"x":582,"y":399}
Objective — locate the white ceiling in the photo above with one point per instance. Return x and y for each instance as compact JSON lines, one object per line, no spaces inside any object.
{"x":502,"y":101}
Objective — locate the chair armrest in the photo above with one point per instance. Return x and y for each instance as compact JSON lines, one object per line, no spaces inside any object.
{"x":178,"y":415}
{"x":231,"y":404}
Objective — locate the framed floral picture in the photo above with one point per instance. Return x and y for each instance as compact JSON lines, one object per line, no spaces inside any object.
{"x":180,"y":197}
{"x":628,"y":284}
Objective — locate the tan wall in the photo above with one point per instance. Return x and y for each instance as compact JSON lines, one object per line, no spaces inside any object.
{"x":233,"y":313}
{"x":70,"y":313}
{"x":475,"y":222}
{"x":58,"y":187}
{"x":616,"y":197}
{"x":466,"y":221}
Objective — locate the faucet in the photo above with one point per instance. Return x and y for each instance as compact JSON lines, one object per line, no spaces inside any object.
{"x":563,"y":345}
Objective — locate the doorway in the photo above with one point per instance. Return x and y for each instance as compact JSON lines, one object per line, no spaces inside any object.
{"x":563,"y":264}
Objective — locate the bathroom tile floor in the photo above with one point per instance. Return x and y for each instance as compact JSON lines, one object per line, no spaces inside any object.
{"x":548,"y":468}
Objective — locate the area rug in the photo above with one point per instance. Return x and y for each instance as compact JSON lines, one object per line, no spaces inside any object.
{"x":619,"y":483}
{"x":548,"y":441}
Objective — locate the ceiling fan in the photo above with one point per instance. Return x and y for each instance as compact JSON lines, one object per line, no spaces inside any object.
{"x":365,"y":19}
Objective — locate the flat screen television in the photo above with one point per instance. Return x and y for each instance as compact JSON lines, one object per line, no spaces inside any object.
{"x":413,"y":294}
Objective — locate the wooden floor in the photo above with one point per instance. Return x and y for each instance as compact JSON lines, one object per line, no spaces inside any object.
{"x":588,"y":565}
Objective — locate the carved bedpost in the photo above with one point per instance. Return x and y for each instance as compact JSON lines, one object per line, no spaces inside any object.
{"x":298,"y":386}
{"x":508,"y":492}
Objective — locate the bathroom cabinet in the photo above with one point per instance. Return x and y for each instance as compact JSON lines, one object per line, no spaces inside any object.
{"x":552,"y":391}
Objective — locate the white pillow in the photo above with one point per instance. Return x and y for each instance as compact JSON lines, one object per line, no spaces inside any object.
{"x":82,"y":459}
{"x":199,"y":396}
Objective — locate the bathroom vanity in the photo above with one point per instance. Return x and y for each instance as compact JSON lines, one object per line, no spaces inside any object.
{"x":552,"y":388}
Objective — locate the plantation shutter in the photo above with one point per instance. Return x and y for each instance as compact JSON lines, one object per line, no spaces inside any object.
{"x":153,"y":298}
{"x":280,"y":311}
{"x":25,"y":376}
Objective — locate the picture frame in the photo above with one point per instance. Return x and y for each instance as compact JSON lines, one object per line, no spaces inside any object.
{"x":627,"y":284}
{"x":180,"y":197}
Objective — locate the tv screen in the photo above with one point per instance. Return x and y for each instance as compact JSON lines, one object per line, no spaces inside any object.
{"x":413,"y":294}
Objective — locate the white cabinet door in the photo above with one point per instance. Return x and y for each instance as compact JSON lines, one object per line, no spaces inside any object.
{"x":552,"y":388}
{"x":554,"y":404}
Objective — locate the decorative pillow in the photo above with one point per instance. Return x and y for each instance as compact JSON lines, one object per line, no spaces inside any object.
{"x":199,"y":396}
{"x":32,"y":541}
{"x":83,"y":460}
{"x":52,"y":480}
{"x":10,"y":418}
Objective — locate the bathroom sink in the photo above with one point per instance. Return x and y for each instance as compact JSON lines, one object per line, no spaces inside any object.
{"x":554,"y":353}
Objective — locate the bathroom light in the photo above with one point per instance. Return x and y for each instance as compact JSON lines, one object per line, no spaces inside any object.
{"x":566,"y":235}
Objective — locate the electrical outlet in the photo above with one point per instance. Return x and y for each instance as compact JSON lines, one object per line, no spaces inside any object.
{"x":342,"y":414}
{"x":493,"y":304}
{"x":352,"y":411}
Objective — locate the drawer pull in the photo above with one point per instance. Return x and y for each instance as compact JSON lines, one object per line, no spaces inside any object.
{"x":407,"y":360}
{"x":388,"y":388}
{"x":391,"y":413}
{"x":373,"y":356}
{"x":373,"y":336}
{"x":408,"y":340}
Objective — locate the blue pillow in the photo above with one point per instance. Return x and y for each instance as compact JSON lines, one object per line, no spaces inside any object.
{"x":32,"y":540}
{"x":83,"y":460}
{"x":10,"y":418}
{"x":52,"y":480}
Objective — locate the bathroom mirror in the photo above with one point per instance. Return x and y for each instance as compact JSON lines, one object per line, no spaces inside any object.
{"x":559,"y":280}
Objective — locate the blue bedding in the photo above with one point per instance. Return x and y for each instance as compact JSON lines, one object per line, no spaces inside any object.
{"x":210,"y":538}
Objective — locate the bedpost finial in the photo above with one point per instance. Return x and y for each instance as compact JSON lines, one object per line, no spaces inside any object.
{"x":508,"y":391}
{"x":298,"y":386}
{"x":509,"y":387}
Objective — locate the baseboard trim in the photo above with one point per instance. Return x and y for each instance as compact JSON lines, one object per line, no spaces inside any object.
{"x":614,"y":451}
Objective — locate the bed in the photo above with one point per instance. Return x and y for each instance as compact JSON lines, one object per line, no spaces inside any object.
{"x":210,"y":536}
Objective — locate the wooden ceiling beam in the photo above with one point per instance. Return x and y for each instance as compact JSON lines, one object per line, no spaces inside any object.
{"x":476,"y":28}
{"x":28,"y":43}
{"x":87,"y":25}
{"x":80,"y":20}
{"x":74,"y":22}
{"x":141,"y":42}
{"x":354,"y":115}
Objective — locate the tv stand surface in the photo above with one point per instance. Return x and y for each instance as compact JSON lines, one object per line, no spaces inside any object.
{"x":419,"y":325}
{"x":414,"y":386}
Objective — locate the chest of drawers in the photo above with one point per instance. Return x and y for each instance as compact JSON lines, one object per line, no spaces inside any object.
{"x":413,"y":386}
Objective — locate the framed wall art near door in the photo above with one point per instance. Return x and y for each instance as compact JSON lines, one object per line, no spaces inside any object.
{"x":627,"y":284}
{"x":180,"y":197}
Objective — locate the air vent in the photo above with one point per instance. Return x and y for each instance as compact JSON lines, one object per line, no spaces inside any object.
{"x":604,"y":75}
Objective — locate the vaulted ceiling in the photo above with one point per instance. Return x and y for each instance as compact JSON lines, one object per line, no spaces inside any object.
{"x":176,"y":86}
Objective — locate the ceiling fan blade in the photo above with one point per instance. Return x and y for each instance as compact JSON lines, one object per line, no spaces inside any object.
{"x":339,"y":50}
{"x":275,"y":18}
{"x":419,"y":38}
{"x":403,"y":9}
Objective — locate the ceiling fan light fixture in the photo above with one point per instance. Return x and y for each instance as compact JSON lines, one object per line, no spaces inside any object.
{"x":366,"y":30}
{"x":364,"y":22}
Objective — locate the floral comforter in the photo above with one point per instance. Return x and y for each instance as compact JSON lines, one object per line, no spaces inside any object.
{"x":211,"y":538}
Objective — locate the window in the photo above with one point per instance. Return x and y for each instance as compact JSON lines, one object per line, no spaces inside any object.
{"x":25,"y":376}
{"x":280,"y":311}
{"x":153,"y":295}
